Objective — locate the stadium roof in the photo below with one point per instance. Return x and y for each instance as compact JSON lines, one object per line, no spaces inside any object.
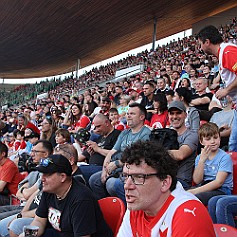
{"x":45,"y":38}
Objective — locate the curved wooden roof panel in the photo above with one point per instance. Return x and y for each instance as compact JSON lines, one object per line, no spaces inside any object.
{"x":45,"y":38}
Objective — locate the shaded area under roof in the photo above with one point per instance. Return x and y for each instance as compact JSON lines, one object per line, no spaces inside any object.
{"x":45,"y":38}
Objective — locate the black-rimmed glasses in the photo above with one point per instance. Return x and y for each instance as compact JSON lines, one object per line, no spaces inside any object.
{"x":138,"y":179}
{"x":37,"y":151}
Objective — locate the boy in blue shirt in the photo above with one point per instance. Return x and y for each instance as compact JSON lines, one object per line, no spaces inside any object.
{"x":213,"y":171}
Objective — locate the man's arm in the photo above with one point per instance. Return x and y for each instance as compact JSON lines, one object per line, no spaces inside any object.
{"x":200,"y":101}
{"x":182,"y":153}
{"x":25,"y":193}
{"x":225,"y":91}
{"x":40,"y":222}
{"x":107,"y":160}
{"x":213,"y":185}
{"x":2,"y":185}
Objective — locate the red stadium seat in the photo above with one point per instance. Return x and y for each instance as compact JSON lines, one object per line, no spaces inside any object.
{"x":223,"y":230}
{"x":113,"y":210}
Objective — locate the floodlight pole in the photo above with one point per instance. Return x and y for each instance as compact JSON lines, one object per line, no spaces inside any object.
{"x":78,"y":67}
{"x":154,"y":34}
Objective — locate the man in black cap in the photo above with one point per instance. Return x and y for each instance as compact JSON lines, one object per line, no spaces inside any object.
{"x":66,"y":205}
{"x":188,"y":141}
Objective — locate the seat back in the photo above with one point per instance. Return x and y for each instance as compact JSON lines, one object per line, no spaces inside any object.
{"x":113,"y":210}
{"x":223,"y":230}
{"x":234,"y":160}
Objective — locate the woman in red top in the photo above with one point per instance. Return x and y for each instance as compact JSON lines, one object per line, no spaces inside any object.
{"x":24,"y":123}
{"x":75,"y":119}
{"x":159,"y":118}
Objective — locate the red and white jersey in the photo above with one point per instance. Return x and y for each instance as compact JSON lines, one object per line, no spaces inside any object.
{"x":182,"y":215}
{"x":228,"y":65}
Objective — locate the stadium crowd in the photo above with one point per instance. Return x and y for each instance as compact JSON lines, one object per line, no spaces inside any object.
{"x":182,"y":88}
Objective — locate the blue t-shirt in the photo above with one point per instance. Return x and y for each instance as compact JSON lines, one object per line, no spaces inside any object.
{"x":221,"y":162}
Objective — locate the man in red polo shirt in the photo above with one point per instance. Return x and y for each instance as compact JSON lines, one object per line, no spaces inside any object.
{"x":9,"y":176}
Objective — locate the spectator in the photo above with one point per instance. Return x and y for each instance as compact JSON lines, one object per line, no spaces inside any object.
{"x":213,"y":167}
{"x":23,"y":123}
{"x":48,"y":130}
{"x":97,"y":151}
{"x":58,"y":187}
{"x":91,"y":104}
{"x":160,"y":117}
{"x":166,"y":210}
{"x":118,"y":94}
{"x":211,"y":42}
{"x":192,"y":120}
{"x":147,"y":100}
{"x":188,"y":141}
{"x":123,"y":106}
{"x":74,"y":118}
{"x":224,"y":120}
{"x":99,"y":182}
{"x":9,"y":176}
{"x":115,"y":119}
{"x":62,"y":136}
{"x":201,"y":99}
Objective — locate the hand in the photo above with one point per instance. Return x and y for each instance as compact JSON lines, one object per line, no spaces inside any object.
{"x":22,"y":235}
{"x":111,"y":167}
{"x":221,"y":93}
{"x":92,"y":145}
{"x":205,"y":153}
{"x":104,"y":175}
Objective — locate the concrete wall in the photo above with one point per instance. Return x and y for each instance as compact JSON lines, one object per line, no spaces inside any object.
{"x":216,"y":20}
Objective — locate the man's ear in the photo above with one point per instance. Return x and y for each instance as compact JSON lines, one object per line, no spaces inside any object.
{"x":166,"y":183}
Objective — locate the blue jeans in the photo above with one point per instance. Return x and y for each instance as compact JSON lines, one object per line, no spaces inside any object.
{"x":233,"y":134}
{"x":4,"y":225}
{"x":17,"y":225}
{"x":100,"y":189}
{"x":223,"y":208}
{"x":88,"y":170}
{"x":119,"y":190}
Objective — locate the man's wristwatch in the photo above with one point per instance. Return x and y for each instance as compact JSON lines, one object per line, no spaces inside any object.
{"x":117,"y":163}
{"x":19,"y":215}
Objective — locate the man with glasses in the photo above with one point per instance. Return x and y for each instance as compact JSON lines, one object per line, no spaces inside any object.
{"x":41,"y":149}
{"x":157,"y":204}
{"x":67,"y":208}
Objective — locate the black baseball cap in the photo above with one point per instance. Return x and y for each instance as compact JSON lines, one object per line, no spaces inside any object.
{"x":56,"y":163}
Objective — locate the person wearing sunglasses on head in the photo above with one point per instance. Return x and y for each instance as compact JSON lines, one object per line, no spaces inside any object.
{"x":67,"y":207}
{"x":166,"y":210}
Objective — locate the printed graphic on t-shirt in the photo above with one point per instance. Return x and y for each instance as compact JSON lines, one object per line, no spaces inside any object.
{"x":54,"y":216}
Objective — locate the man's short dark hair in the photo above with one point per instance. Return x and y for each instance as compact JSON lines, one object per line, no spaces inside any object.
{"x":113,"y":110}
{"x":150,"y":83}
{"x":140,"y":107}
{"x":46,"y":144}
{"x":3,"y":148}
{"x":210,"y":32}
{"x":155,"y":156}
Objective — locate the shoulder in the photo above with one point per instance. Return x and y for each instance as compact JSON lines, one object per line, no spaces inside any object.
{"x":192,"y":216}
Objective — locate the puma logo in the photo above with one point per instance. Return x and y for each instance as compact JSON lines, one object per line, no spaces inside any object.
{"x":190,"y":211}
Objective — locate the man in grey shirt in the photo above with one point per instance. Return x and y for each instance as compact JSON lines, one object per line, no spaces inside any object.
{"x":188,"y":141}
